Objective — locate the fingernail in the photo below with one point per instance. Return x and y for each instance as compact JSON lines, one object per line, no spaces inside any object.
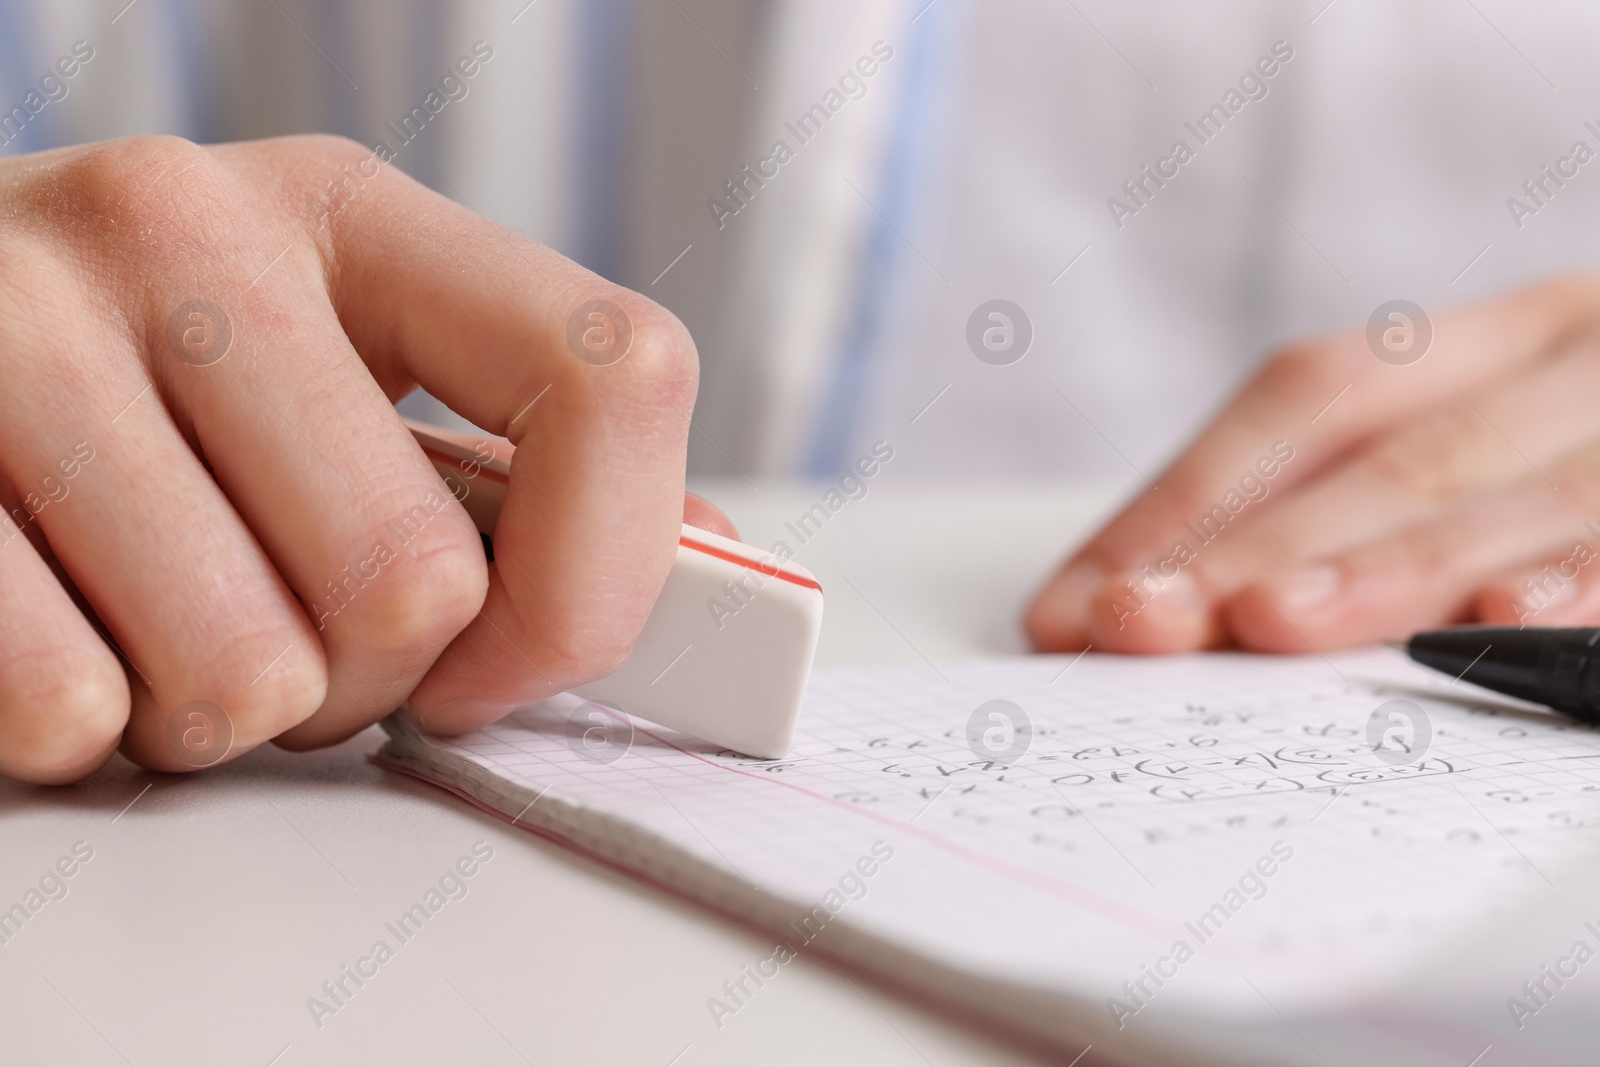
{"x":1306,"y":587}
{"x":458,"y":716}
{"x":1539,"y":593}
{"x":1174,"y":596}
{"x":1170,"y":610}
{"x":1063,"y":608}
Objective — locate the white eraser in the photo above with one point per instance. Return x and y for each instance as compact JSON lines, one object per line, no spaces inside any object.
{"x":727,"y":649}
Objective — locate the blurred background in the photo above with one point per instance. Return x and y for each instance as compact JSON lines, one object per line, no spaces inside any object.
{"x":937,"y":155}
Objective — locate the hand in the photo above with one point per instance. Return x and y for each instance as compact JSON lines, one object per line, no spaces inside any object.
{"x":219,"y":507}
{"x":1340,"y":499}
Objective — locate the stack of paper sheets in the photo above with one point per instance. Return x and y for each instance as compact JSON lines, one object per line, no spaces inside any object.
{"x":1205,"y":859}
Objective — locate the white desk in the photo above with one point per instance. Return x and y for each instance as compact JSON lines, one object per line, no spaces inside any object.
{"x":217,"y":903}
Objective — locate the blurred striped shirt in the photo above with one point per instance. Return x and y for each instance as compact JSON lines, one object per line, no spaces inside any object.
{"x":832,"y":285}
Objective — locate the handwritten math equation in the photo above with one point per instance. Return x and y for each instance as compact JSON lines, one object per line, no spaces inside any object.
{"x":1163,"y":769}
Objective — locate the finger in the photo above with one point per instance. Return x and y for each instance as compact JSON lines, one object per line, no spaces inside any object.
{"x":244,"y":345}
{"x":1399,"y":479}
{"x":702,"y":513}
{"x":1561,"y":590}
{"x":461,"y":458}
{"x":1288,"y":401}
{"x":384,"y":559}
{"x":1423,"y":576}
{"x":63,"y":697}
{"x":432,"y":293}
{"x":315,"y":458}
{"x":169,"y":568}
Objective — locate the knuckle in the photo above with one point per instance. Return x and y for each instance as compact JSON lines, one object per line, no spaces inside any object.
{"x":1307,"y":368}
{"x":313,"y":163}
{"x":437,"y":587}
{"x":662,"y":365}
{"x":663,"y":349}
{"x":1434,"y":459}
{"x":51,"y":729}
{"x":332,"y":149}
{"x":121,"y":194}
{"x":318,"y":178}
{"x":269,"y":683}
{"x":649,"y":391}
{"x":118,"y":176}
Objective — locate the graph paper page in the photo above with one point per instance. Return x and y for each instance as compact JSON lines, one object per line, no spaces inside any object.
{"x":1233,"y":804}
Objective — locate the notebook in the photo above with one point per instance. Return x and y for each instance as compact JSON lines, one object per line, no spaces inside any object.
{"x":1210,"y":859}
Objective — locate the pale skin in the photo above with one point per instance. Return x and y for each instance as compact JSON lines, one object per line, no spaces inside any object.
{"x":1427,"y":494}
{"x":219,"y":500}
{"x":182,"y":560}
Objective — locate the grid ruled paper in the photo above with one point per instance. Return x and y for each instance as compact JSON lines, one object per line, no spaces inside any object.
{"x":1147,"y":791}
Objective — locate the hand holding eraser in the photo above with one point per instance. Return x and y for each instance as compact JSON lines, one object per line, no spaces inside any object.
{"x":727,"y":649}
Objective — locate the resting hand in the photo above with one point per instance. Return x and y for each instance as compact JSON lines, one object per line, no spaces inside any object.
{"x":1341,"y":498}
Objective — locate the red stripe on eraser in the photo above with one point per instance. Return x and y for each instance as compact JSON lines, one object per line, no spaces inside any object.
{"x":771,"y":570}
